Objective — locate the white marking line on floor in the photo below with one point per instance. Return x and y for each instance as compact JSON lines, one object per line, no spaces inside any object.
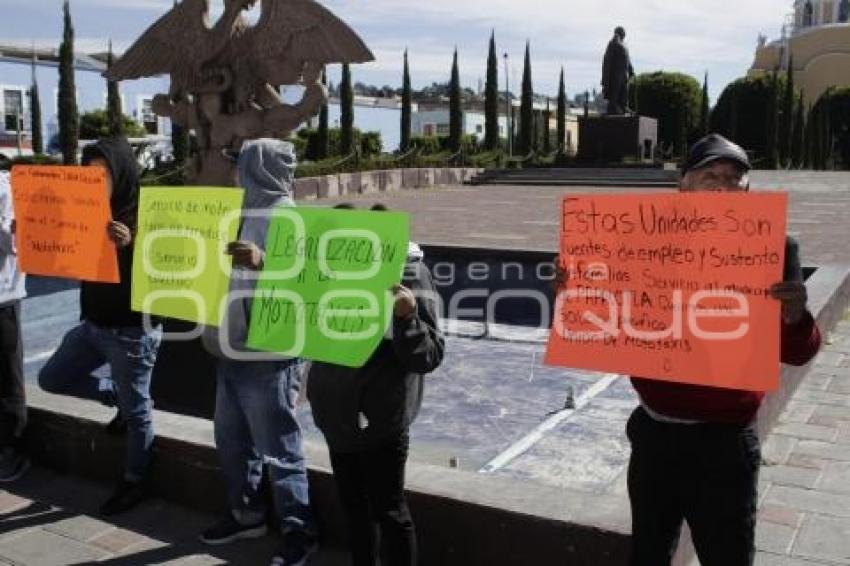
{"x":536,"y":435}
{"x":40,"y":357}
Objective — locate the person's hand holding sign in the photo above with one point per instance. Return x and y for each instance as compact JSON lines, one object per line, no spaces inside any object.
{"x":405,"y":302}
{"x":246,"y":254}
{"x":793,"y":296}
{"x":119,"y":234}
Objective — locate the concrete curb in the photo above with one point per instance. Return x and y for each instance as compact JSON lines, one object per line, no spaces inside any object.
{"x":382,"y":181}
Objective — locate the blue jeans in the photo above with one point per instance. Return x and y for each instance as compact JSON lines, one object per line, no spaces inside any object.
{"x":131,"y":355}
{"x":255,"y":424}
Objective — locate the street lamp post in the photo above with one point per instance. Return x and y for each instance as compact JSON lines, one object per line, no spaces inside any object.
{"x":509,"y":117}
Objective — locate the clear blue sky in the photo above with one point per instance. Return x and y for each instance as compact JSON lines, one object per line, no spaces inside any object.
{"x":692,"y":36}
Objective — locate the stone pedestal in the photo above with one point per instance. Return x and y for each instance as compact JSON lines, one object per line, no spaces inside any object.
{"x":613,"y":139}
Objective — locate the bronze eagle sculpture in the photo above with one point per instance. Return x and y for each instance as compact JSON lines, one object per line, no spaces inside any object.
{"x":225,"y":77}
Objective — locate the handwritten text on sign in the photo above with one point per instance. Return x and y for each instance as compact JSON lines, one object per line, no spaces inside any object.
{"x":672,"y":287}
{"x":62,"y":218}
{"x":180,"y":269}
{"x":324,"y":292}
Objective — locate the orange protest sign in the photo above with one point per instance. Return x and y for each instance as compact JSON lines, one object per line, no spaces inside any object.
{"x":672,"y":287}
{"x":62,"y":214}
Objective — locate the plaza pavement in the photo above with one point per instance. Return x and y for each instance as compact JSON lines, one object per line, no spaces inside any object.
{"x":47,"y":519}
{"x":805,"y":497}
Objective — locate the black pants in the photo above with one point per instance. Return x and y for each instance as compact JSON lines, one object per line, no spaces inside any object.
{"x":371,"y":486}
{"x":705,"y":474}
{"x":13,"y":403}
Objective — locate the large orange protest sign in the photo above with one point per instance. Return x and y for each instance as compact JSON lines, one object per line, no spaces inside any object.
{"x":672,"y":287}
{"x":62,"y":215}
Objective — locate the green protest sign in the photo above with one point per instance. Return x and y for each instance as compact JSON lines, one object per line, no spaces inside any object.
{"x":324,"y":293}
{"x":180,"y":269}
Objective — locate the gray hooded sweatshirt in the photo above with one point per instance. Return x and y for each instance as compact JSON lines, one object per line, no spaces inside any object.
{"x":267,"y":173}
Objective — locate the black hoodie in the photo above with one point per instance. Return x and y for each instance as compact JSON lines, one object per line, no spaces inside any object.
{"x":108,"y":304}
{"x":358,"y":409}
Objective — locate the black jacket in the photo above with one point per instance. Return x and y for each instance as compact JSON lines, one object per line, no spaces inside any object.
{"x":387,"y":392}
{"x":108,"y":304}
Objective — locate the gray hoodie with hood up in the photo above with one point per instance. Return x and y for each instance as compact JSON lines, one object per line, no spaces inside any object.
{"x":267,"y":173}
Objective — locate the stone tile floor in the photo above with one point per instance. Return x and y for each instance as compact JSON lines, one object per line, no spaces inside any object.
{"x":804,"y":515}
{"x":48,"y":519}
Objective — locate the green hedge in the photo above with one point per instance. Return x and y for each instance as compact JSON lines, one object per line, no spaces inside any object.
{"x":433,"y":145}
{"x":307,"y":143}
{"x":6,"y":164}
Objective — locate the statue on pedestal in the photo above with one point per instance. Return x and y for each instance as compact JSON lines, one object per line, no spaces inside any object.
{"x":617,"y":70}
{"x":226,"y":78}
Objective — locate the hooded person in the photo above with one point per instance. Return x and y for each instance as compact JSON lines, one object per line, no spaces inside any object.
{"x":365,"y":415}
{"x":110,"y":332}
{"x":255,"y":421}
{"x":13,"y":405}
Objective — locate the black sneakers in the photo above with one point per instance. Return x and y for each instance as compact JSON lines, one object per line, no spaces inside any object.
{"x":126,"y":496}
{"x":13,"y":465}
{"x":230,"y":530}
{"x":296,"y":550}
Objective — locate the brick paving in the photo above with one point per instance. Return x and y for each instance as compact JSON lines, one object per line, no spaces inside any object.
{"x":48,"y":519}
{"x":804,"y":515}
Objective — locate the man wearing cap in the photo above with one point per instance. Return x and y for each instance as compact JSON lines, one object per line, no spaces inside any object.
{"x":695,"y":450}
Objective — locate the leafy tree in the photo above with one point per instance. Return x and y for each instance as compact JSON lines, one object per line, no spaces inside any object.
{"x":68,"y":115}
{"x":491,"y":98}
{"x":562,"y":113}
{"x":98,"y":124}
{"x":741,"y":113}
{"x":526,"y":112}
{"x":35,"y":113}
{"x":346,"y":111}
{"x":832,"y":114}
{"x":406,"y":107}
{"x":674,"y":99}
{"x":455,"y":111}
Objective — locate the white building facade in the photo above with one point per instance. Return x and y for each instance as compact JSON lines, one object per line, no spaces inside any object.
{"x":16,"y":75}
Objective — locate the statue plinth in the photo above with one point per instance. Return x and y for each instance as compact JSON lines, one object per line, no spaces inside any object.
{"x":614,"y":139}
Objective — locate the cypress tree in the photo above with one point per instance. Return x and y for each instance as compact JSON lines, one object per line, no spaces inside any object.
{"x":114,"y":114}
{"x":526,"y":112}
{"x":491,"y":98}
{"x":322,"y":135}
{"x":808,"y":141}
{"x":797,"y":134}
{"x":547,"y":134}
{"x":35,"y":113}
{"x":771,"y":133}
{"x":455,"y":111}
{"x":704,"y":110}
{"x":786,"y":123}
{"x":179,"y":143}
{"x":406,"y":107}
{"x":562,"y":114}
{"x":69,"y":124}
{"x":346,"y":101}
